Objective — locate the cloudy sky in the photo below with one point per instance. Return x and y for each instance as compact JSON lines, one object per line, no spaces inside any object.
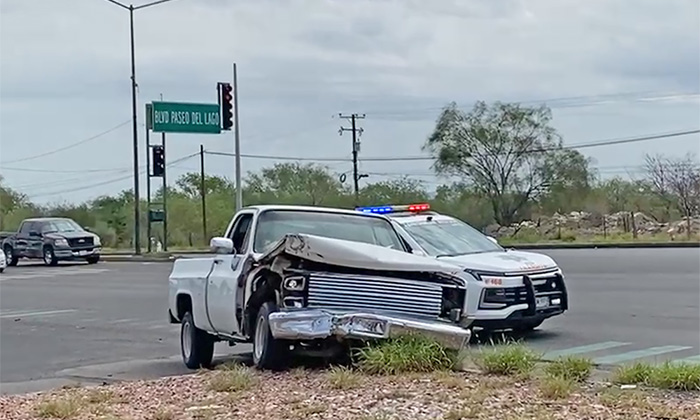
{"x":609,"y":69}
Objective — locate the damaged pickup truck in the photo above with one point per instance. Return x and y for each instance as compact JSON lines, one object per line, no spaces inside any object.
{"x":315,"y":281}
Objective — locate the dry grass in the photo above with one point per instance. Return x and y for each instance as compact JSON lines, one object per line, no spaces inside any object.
{"x":415,"y":396}
{"x":232,"y":378}
{"x":340,"y":377}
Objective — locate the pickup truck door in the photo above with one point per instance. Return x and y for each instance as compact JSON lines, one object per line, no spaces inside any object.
{"x":21,"y":246}
{"x":223,"y":280}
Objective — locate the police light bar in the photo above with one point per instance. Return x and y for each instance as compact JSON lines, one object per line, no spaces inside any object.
{"x":394,"y":209}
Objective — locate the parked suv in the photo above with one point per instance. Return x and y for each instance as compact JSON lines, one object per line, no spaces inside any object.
{"x":52,"y":239}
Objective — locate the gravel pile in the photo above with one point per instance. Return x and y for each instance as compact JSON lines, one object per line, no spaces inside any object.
{"x":245,"y":394}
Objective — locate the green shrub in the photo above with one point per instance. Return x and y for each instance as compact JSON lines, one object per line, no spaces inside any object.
{"x":570,"y":368}
{"x":509,"y":359}
{"x":408,"y":353}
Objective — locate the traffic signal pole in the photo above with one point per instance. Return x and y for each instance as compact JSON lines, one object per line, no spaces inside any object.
{"x":237,"y":141}
{"x":148,"y":187}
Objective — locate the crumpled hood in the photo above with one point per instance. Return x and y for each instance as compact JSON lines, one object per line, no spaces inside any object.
{"x":503,"y":261}
{"x":354,"y":254}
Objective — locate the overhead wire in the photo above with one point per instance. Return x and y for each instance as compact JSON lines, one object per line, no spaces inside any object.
{"x":419,"y":158}
{"x":110,"y":181}
{"x":70,"y":146}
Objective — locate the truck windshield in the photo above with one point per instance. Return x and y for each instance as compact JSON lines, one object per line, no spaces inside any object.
{"x":274,"y":224}
{"x":449,"y":238}
{"x":61,"y":226}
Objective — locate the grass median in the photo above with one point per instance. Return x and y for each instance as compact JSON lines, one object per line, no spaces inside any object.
{"x":406,"y":378}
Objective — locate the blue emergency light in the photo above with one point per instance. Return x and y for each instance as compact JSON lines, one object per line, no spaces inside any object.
{"x":394,"y":208}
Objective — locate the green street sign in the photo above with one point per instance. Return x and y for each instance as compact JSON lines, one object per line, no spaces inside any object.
{"x":183,"y":117}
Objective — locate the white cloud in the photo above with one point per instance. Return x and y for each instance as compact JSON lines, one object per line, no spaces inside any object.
{"x":64,"y":73}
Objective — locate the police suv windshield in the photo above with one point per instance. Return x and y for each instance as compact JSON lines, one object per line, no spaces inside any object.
{"x":274,"y":224}
{"x":449,"y":238}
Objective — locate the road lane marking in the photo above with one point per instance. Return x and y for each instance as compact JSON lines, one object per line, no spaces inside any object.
{"x":584,"y":349}
{"x":51,"y":273}
{"x":637,"y":354}
{"x":694,"y":360}
{"x":123,"y":321}
{"x":27,"y":314}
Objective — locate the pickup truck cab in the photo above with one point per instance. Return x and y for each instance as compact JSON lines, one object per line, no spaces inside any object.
{"x":312,"y":280}
{"x":507,"y":289}
{"x":51,"y":239}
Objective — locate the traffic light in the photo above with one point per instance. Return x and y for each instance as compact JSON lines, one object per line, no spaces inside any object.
{"x":226,"y":106}
{"x":158,"y":161}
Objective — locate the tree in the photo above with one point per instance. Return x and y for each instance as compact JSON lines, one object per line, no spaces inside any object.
{"x":294,"y":182}
{"x":509,"y":153}
{"x":677,"y":181}
{"x":398,"y":191}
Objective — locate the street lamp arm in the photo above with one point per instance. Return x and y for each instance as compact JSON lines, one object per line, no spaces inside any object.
{"x":119,"y":4}
{"x":143,"y":6}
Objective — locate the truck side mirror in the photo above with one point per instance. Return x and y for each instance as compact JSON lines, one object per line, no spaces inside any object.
{"x":34,"y":234}
{"x":220,"y":245}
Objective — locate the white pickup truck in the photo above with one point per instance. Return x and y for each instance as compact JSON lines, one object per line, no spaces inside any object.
{"x":312,"y":280}
{"x":506,"y":289}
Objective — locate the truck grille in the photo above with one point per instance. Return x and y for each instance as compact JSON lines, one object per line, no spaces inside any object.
{"x":76,"y":242}
{"x":347,"y":291}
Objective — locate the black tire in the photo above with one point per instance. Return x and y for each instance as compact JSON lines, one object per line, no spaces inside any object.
{"x":2,"y":270}
{"x":49,"y":256}
{"x":196,"y":346}
{"x":10,"y":256}
{"x":268,"y":352}
{"x":92,"y":260}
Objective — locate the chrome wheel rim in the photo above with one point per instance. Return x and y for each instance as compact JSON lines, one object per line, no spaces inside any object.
{"x":47,"y":256}
{"x":8,"y":254}
{"x":260,"y":338}
{"x":185,"y":340}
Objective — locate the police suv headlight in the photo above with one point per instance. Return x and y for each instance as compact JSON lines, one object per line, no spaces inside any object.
{"x":61,"y":242}
{"x":97,"y":241}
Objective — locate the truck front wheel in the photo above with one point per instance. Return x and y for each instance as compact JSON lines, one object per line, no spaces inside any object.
{"x":268,"y":352}
{"x":50,"y":256}
{"x":196,"y":345}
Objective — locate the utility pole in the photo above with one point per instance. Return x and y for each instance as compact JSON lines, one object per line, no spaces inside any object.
{"x":137,"y":201}
{"x":239,"y":191}
{"x":203,"y":193}
{"x":356,"y":133}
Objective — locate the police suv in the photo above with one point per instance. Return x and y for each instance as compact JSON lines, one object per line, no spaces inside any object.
{"x":508,"y":289}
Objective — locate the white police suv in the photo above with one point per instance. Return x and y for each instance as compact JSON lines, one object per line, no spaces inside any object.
{"x":508,"y":289}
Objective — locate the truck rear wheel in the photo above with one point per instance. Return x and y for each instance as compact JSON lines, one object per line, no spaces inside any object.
{"x":268,"y":352}
{"x":196,"y":345}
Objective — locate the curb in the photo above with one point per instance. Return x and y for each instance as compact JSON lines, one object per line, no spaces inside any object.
{"x":607,"y":245}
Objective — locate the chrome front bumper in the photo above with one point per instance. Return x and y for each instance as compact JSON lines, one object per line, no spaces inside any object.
{"x":310,"y":324}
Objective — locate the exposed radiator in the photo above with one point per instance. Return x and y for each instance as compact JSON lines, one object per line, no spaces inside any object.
{"x":360,"y":292}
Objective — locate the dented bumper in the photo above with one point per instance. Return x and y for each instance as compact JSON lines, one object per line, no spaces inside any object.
{"x":310,"y":324}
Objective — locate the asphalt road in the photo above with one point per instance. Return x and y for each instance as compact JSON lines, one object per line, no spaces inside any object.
{"x":94,"y":324}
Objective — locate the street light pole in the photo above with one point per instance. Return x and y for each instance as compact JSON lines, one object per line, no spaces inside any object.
{"x":137,"y":198}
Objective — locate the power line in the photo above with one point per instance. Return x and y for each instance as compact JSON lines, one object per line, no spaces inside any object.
{"x":420,"y":158}
{"x":70,"y":146}
{"x":111,"y":181}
